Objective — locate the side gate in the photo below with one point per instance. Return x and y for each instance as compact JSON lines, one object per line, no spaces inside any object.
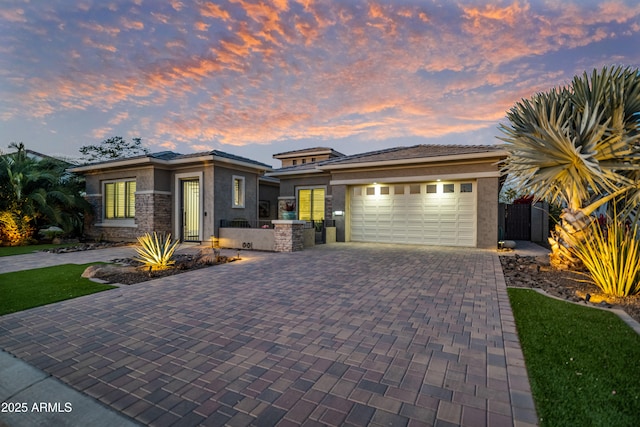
{"x":517,"y":222}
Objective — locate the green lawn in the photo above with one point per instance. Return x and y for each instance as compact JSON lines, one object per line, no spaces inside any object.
{"x":583,"y":363}
{"x":32,"y":288}
{"x":19,"y":250}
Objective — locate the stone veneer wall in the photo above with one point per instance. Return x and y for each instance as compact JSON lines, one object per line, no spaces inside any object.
{"x":289,"y":235}
{"x":89,"y":220}
{"x":153,"y":213}
{"x":328,"y":207}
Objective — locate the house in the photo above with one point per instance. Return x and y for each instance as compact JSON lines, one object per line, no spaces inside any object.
{"x":422,"y":194}
{"x":187,"y":195}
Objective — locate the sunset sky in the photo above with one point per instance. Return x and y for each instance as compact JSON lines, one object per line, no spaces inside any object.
{"x":256,"y":78}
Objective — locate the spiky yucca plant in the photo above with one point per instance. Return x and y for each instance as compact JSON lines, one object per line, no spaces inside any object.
{"x":612,"y":257}
{"x":156,"y":252}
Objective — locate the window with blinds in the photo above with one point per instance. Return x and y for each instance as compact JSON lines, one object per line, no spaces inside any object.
{"x":120,"y":200}
{"x":311,"y":204}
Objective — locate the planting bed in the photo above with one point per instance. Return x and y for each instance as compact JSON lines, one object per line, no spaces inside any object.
{"x":532,"y":272}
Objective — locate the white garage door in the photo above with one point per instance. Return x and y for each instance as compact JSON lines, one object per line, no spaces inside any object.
{"x":433,"y":213}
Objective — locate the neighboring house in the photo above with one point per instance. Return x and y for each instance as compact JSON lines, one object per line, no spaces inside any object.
{"x":424,"y":194}
{"x":185,"y":195}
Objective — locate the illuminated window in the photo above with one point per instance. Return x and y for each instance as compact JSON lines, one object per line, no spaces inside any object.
{"x":120,"y":199}
{"x":238,"y":192}
{"x":414,"y":189}
{"x":311,"y":204}
{"x":432,"y":188}
{"x":466,"y":187}
{"x":448,"y":188}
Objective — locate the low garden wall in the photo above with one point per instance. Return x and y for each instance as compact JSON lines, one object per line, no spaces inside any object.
{"x":286,"y":236}
{"x":259,"y":239}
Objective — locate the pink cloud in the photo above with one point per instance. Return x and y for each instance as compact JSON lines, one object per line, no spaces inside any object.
{"x":93,"y":44}
{"x":131,"y":24}
{"x":201,"y":26}
{"x":213,"y":10}
{"x":14,"y":15}
{"x":93,"y":26}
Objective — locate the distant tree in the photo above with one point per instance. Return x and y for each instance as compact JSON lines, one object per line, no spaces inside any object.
{"x":113,"y":148}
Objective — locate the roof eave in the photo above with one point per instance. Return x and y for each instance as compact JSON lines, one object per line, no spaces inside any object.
{"x":275,"y":173}
{"x":435,"y":159}
{"x":144,"y":161}
{"x":114,"y":164}
{"x":242,"y":163}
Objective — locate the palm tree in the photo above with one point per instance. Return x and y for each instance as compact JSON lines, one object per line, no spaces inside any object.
{"x":579,"y":146}
{"x":40,"y":192}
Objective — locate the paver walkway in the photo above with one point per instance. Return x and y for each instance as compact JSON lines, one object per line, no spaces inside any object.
{"x":344,"y":334}
{"x":45,"y":259}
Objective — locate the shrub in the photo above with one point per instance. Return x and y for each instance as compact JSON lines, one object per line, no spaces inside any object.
{"x":15,"y":230}
{"x":156,"y":253}
{"x":612,"y":256}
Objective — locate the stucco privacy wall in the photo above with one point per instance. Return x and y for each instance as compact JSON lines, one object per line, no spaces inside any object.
{"x":223,"y":186}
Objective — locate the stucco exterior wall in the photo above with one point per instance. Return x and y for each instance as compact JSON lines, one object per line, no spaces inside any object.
{"x":419,"y":171}
{"x":223,"y":188}
{"x":269,"y":193}
{"x":288,"y":185}
{"x":487,"y":219}
{"x":339,"y":203}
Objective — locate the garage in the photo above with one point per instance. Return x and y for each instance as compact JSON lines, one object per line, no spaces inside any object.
{"x":428,"y":213}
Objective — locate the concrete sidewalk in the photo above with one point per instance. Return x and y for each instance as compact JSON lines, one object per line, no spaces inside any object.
{"x":344,"y":334}
{"x":35,"y":398}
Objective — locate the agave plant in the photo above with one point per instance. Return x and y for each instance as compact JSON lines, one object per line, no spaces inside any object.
{"x":578,"y":146}
{"x":612,"y":256}
{"x":156,"y":252}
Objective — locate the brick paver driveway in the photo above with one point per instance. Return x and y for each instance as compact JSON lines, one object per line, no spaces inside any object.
{"x":344,"y":334}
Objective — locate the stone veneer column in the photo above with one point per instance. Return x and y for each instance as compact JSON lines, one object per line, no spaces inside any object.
{"x":289,"y":235}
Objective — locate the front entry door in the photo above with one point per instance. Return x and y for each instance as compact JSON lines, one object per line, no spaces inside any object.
{"x":190,"y":210}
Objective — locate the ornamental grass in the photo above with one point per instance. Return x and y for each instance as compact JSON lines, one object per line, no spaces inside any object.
{"x":612,"y":256}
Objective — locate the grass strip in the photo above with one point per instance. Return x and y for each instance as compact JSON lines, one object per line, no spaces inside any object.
{"x":583,"y":363}
{"x":21,"y":290}
{"x":21,"y":250}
